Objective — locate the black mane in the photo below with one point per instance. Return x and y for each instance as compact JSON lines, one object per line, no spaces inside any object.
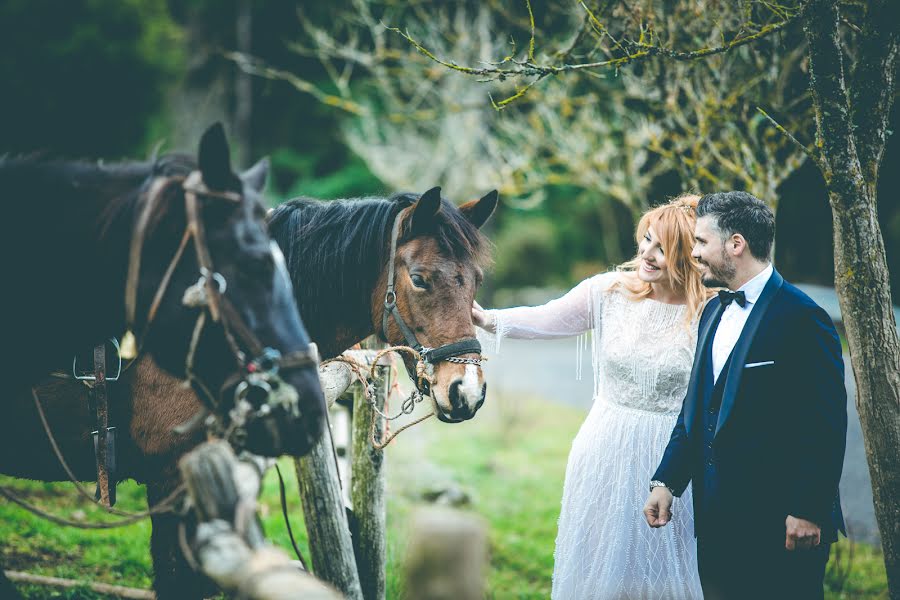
{"x":336,"y":250}
{"x":67,"y":181}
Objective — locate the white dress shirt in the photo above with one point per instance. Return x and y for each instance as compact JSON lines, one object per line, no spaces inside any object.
{"x":734,"y":318}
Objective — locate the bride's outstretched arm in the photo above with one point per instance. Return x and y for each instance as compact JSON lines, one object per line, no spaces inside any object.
{"x":566,"y":316}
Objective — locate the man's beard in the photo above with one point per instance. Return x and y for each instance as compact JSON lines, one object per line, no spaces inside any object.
{"x":719,"y":275}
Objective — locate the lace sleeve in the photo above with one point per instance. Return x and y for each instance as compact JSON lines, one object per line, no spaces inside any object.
{"x":567,"y":316}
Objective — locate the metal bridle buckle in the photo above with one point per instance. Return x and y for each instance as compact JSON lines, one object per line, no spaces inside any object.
{"x":390,"y":298}
{"x":78,"y":377}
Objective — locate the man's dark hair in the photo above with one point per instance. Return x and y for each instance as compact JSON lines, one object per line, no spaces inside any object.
{"x":743,"y":213}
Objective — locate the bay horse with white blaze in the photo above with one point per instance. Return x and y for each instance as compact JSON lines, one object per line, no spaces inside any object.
{"x":176,"y":253}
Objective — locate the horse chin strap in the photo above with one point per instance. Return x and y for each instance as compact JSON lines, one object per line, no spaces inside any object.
{"x":261,"y":370}
{"x":428,"y":356}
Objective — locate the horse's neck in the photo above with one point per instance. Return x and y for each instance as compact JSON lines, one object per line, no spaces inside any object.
{"x":336,"y":331}
{"x":337,"y":312}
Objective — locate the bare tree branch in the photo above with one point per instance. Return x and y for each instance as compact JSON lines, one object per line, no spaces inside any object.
{"x":790,"y":136}
{"x":637,"y":51}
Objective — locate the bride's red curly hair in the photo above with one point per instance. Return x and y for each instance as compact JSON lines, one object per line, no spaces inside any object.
{"x":673,"y":223}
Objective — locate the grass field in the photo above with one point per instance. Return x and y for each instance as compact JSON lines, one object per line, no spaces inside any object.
{"x":510,"y":461}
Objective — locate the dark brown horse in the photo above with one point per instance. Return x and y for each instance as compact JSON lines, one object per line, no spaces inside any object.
{"x":76,"y":232}
{"x":337,"y":254}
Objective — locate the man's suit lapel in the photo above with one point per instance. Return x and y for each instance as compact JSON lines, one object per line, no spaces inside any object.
{"x":742,"y":346}
{"x":704,"y":337}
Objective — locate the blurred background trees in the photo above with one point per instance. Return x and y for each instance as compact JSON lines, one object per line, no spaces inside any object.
{"x":345,"y":106}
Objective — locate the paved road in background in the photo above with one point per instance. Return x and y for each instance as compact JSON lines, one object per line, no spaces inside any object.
{"x":546,"y":369}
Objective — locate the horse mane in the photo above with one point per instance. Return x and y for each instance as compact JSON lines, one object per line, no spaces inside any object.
{"x":122,"y":208}
{"x":336,"y":250}
{"x":121,"y":182}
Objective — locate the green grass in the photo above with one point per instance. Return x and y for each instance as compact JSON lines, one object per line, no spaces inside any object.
{"x":510,"y":461}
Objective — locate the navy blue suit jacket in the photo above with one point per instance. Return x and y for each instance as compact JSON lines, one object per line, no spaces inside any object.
{"x":782,"y":427}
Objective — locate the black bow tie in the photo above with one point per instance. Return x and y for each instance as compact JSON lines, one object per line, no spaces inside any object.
{"x":726,"y":297}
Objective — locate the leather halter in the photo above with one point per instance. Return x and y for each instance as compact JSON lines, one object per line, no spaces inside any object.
{"x":208,"y":292}
{"x":429,"y":356}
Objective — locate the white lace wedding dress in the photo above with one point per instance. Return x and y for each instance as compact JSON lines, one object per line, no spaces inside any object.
{"x":642,"y":356}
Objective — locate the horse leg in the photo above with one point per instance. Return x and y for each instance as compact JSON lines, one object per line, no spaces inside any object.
{"x":173,"y":576}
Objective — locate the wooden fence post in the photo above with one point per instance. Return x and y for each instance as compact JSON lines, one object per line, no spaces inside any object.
{"x":228,"y":543}
{"x":367,"y":489}
{"x":446,"y":556}
{"x":330,"y":545}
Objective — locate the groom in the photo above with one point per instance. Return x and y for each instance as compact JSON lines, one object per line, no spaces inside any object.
{"x":763,"y":426}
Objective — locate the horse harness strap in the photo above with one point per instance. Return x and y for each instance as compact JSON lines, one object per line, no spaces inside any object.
{"x":207,"y":292}
{"x":447,"y":352}
{"x":104,"y":437}
{"x":193,"y":187}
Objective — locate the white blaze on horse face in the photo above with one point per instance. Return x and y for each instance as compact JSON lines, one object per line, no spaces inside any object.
{"x":280,"y":263}
{"x":471,"y":385}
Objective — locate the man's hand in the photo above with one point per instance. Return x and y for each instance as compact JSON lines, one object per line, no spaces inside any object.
{"x":658,"y":509}
{"x":801,"y":534}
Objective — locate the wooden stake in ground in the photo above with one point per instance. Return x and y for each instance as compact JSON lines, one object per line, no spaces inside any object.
{"x":326,"y":520}
{"x":367,"y":489}
{"x":447,"y":556}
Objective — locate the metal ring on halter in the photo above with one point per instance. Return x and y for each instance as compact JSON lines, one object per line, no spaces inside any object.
{"x":390,"y":298}
{"x":243,"y":388}
{"x":221,"y":284}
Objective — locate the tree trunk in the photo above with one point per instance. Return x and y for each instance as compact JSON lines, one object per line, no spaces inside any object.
{"x":861,"y":273}
{"x":243,"y":85}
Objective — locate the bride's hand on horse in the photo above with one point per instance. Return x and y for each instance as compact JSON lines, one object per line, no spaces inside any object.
{"x":480,"y":317}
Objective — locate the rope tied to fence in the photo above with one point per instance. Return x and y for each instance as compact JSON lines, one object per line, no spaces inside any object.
{"x":367,"y":377}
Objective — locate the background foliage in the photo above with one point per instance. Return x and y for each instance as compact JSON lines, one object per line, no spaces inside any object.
{"x":347,"y":107}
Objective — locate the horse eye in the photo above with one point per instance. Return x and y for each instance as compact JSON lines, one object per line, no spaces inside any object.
{"x":419,"y":281}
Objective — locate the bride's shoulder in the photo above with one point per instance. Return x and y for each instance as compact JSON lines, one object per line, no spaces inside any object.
{"x":611,"y":280}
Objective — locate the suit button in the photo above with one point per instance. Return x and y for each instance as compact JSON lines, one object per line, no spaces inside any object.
{"x":709,"y":462}
{"x":712,"y":411}
{"x":711,"y":427}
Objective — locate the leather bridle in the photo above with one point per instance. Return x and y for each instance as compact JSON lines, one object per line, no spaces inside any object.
{"x":262,"y":368}
{"x":429,"y":356}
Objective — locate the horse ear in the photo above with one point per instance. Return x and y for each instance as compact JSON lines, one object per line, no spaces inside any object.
{"x":255,"y":177}
{"x":479,"y":211}
{"x":426,"y":209}
{"x":213,"y":159}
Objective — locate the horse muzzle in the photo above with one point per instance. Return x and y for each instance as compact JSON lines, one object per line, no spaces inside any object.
{"x":464,"y":401}
{"x":280,"y":414}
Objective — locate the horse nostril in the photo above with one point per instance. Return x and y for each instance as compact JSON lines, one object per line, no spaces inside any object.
{"x":455,"y":401}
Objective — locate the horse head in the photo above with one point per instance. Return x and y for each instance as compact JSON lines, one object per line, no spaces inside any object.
{"x":202,"y":262}
{"x":424,"y":298}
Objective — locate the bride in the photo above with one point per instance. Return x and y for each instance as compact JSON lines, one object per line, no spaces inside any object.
{"x":643,"y":319}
